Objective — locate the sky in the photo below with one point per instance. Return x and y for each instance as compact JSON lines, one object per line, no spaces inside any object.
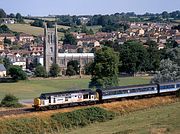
{"x":87,"y":7}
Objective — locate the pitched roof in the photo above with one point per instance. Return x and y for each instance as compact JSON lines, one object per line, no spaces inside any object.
{"x":2,"y":68}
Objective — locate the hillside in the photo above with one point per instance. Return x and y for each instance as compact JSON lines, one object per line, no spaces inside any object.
{"x":26,"y":28}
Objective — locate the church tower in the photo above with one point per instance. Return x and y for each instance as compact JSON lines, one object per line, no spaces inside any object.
{"x":50,"y":46}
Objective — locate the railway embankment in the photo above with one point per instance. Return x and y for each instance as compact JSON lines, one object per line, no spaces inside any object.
{"x":66,"y":119}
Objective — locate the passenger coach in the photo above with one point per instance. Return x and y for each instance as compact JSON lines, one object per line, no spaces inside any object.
{"x":127,"y":91}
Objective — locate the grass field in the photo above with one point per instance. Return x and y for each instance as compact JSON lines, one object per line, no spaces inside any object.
{"x":94,"y":28}
{"x":48,"y":18}
{"x":178,"y":21}
{"x":159,"y":120}
{"x":25,"y":28}
{"x":33,"y":88}
{"x":64,"y":27}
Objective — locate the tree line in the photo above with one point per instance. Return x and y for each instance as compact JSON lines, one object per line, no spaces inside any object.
{"x":133,"y":57}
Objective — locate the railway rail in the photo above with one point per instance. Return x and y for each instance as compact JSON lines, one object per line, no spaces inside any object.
{"x":16,"y":111}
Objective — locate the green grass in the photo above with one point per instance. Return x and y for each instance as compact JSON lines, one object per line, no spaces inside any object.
{"x":159,"y":120}
{"x":33,"y":88}
{"x":28,"y":21}
{"x":178,"y":21}
{"x":64,"y":27}
{"x":94,"y":28}
{"x":48,"y":18}
{"x":56,"y":123}
{"x":26,"y":28}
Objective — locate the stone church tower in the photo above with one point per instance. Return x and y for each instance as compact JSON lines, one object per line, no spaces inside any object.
{"x":50,"y":46}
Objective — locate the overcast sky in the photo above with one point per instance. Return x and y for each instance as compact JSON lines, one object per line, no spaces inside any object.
{"x":84,"y":7}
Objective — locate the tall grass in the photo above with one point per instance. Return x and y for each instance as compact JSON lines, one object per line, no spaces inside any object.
{"x":55,"y":123}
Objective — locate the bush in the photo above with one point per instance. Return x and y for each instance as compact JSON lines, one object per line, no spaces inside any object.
{"x":54,"y":70}
{"x":56,"y":122}
{"x":17,"y":73}
{"x":178,"y":93}
{"x":40,"y":71}
{"x":82,"y":117}
{"x":10,"y":101}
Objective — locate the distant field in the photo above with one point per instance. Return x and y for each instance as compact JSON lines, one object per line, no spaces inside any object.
{"x":64,"y":27}
{"x":48,"y":18}
{"x":178,"y":21}
{"x":25,"y":28}
{"x":28,"y":21}
{"x":159,"y":120}
{"x":94,"y":28}
{"x":33,"y":88}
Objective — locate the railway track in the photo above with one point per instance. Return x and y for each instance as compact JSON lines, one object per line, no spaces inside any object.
{"x":16,"y":111}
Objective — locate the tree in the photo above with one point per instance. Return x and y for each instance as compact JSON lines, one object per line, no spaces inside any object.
{"x":7,"y":41}
{"x":7,"y":63}
{"x":2,"y":13}
{"x":17,"y":73}
{"x":88,"y":68}
{"x":10,"y":101}
{"x":54,"y":70}
{"x":50,"y":24}
{"x":176,"y":27}
{"x":19,"y":18}
{"x":12,"y":15}
{"x":174,"y":55}
{"x":75,"y":65}
{"x":134,"y":57}
{"x":37,"y":23}
{"x":69,"y":39}
{"x":153,"y":56}
{"x":4,"y":29}
{"x":1,"y":60}
{"x":171,"y":43}
{"x":70,"y":71}
{"x":168,"y":72}
{"x":105,"y":68}
{"x":40,"y":71}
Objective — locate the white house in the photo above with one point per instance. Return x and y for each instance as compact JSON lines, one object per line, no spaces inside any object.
{"x":2,"y":70}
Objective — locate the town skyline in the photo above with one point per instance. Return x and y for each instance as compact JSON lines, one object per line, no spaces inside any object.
{"x":81,"y":7}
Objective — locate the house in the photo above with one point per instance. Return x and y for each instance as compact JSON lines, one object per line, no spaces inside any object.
{"x":36,"y":50}
{"x":25,"y":37}
{"x":69,"y":48}
{"x":7,"y":36}
{"x":161,"y":46}
{"x":8,"y":21}
{"x":20,"y":61}
{"x":2,"y":70}
{"x":1,"y":45}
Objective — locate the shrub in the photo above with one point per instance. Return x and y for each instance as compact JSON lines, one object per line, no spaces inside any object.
{"x":17,"y":73}
{"x":54,"y":70}
{"x":83,"y":117}
{"x":178,"y":93}
{"x":40,"y":71}
{"x":10,"y":101}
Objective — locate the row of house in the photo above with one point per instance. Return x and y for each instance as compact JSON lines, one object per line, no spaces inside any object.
{"x":158,"y":32}
{"x":22,"y":38}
